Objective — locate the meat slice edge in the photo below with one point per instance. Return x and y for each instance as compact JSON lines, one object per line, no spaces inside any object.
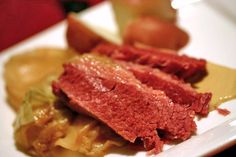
{"x":177,"y":90}
{"x":187,"y":68}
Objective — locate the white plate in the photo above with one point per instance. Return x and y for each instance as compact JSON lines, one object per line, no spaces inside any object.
{"x":213,"y":37}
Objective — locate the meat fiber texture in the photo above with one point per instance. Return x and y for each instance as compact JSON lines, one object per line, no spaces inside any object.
{"x":179,"y":91}
{"x":111,"y":94}
{"x":186,"y":68}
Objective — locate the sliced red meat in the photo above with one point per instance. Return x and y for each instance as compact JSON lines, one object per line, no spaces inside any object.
{"x":223,"y":111}
{"x":187,"y":68}
{"x":111,"y":94}
{"x":179,"y":91}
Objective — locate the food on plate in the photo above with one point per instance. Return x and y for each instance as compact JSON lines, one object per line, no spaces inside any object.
{"x":187,"y":68}
{"x":80,"y":37}
{"x":45,"y":127}
{"x":154,"y":32}
{"x":104,"y":90}
{"x":128,"y":10}
{"x":27,"y":69}
{"x":111,"y":96}
{"x":179,"y":91}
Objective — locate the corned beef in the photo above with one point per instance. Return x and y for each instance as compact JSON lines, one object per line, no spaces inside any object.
{"x":222,"y":111}
{"x":113,"y":95}
{"x":187,"y":68}
{"x":179,"y":91}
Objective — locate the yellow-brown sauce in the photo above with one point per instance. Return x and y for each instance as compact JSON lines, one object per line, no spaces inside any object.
{"x":221,"y":82}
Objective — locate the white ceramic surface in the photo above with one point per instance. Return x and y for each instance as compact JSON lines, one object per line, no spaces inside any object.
{"x":213,"y":37}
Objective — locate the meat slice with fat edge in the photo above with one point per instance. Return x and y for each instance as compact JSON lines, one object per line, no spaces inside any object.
{"x":187,"y":68}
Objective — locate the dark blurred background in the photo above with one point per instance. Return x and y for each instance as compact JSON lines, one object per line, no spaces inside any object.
{"x":20,"y":19}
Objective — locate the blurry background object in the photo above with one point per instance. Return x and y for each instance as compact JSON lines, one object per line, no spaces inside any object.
{"x":20,"y":19}
{"x":156,"y":33}
{"x":77,"y":5}
{"x":149,"y":22}
{"x":79,"y":36}
{"x":176,"y":4}
{"x":74,"y":5}
{"x":127,"y":10}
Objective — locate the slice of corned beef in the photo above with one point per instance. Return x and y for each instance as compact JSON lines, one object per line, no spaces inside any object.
{"x":179,"y":91}
{"x":111,"y":94}
{"x":187,"y":68}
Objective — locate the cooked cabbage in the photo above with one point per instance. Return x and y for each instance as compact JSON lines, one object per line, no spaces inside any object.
{"x":45,"y":127}
{"x":89,"y":137}
{"x":25,"y":70}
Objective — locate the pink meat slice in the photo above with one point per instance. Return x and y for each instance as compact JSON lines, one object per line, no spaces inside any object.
{"x":179,"y":91}
{"x":111,"y":94}
{"x":186,"y":68}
